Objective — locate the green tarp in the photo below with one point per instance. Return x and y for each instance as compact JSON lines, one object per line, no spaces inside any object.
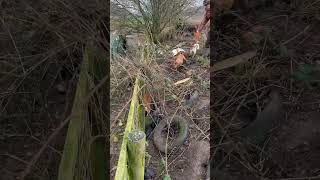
{"x":118,"y":44}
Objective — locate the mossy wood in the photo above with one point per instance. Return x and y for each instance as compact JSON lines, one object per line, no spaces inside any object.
{"x":93,"y":70}
{"x":136,"y":154}
{"x":99,"y":106}
{"x":135,"y":121}
{"x":70,"y":157}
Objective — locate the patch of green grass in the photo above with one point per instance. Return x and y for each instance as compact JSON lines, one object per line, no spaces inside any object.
{"x":205,"y":85}
{"x":203,"y":61}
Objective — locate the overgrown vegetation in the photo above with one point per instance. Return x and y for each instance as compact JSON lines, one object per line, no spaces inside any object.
{"x":286,"y":60}
{"x":42,"y":46}
{"x":154,"y":18}
{"x":152,"y":59}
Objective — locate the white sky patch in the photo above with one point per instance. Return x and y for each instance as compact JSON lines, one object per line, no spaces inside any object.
{"x":199,"y":3}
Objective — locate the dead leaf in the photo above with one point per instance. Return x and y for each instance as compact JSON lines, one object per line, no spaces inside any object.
{"x":115,"y":138}
{"x":147,"y":101}
{"x":179,"y":60}
{"x":181,"y":81}
{"x":233,"y":61}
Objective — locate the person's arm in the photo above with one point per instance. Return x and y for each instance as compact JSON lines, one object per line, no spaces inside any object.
{"x":203,"y":23}
{"x":205,"y":20}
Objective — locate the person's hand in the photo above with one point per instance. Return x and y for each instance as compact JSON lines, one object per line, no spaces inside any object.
{"x":197,"y":36}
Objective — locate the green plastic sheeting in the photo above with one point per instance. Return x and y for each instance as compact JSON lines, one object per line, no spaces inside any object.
{"x":118,"y":44}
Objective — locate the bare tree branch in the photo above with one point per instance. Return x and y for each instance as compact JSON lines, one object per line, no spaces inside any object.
{"x":153,"y":16}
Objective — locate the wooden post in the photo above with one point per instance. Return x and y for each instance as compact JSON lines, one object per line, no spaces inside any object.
{"x":122,"y":167}
{"x":136,"y":154}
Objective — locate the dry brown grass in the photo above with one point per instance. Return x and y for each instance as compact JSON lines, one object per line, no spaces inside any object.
{"x":41,"y":45}
{"x":159,"y":76}
{"x":238,"y":89}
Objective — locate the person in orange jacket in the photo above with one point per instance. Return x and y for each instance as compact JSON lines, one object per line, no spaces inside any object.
{"x":202,"y":25}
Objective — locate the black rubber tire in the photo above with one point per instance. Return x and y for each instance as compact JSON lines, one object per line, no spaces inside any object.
{"x":160,"y":142}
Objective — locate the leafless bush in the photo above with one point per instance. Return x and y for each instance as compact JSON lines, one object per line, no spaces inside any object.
{"x":152,"y":17}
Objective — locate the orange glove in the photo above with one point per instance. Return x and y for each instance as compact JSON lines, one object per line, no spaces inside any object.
{"x":197,"y":35}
